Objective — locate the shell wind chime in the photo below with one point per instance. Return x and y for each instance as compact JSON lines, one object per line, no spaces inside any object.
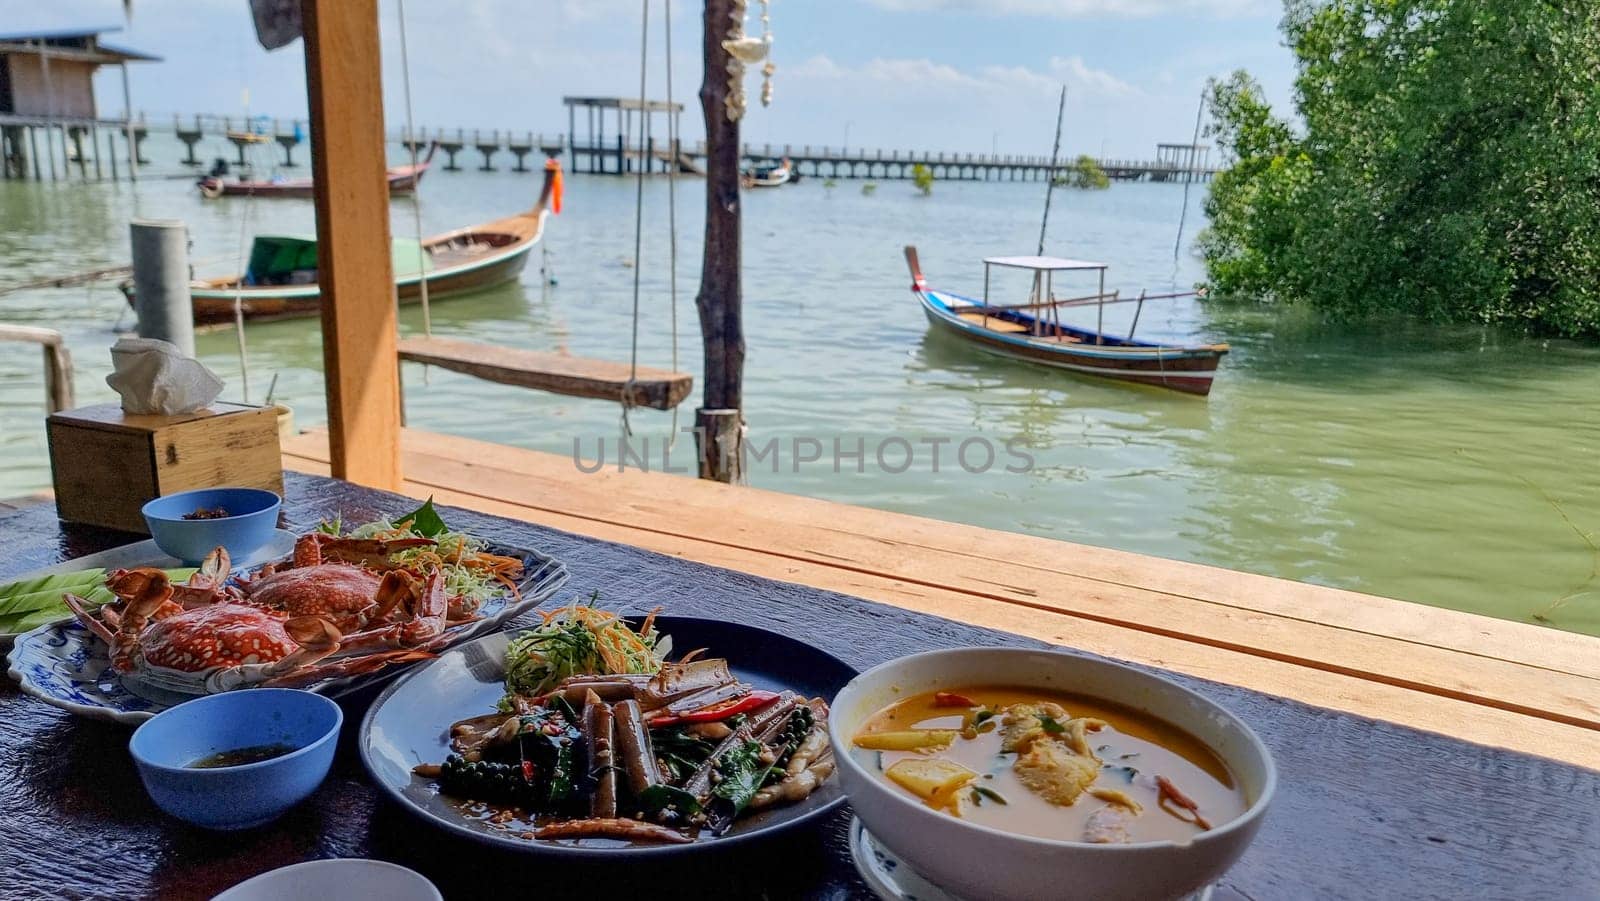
{"x":746,"y":50}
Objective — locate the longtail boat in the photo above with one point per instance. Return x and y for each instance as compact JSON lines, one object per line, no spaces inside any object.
{"x":769,"y":176}
{"x":402,"y":180}
{"x":1034,"y":331}
{"x":280,"y":281}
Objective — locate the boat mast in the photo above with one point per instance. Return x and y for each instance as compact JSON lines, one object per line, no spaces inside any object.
{"x":1050,"y":182}
{"x":1049,"y":188}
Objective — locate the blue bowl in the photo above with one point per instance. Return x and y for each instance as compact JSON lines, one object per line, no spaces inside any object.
{"x":167,"y":745}
{"x":253,"y":519}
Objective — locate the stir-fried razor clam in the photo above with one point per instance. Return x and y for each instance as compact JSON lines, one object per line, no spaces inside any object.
{"x":660,"y":758}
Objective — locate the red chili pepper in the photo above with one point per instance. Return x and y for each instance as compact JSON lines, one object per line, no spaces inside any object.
{"x":753,"y":701}
{"x":951,"y":699}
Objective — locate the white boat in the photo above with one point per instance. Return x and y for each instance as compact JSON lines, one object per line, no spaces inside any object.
{"x":769,"y":176}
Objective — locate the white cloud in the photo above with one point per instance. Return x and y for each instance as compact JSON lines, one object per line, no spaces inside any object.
{"x":922,"y":72}
{"x":1066,"y":9}
{"x":1081,"y":78}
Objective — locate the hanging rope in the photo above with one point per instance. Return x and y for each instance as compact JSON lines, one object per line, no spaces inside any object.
{"x":416,"y":199}
{"x":672,"y":212}
{"x":638,"y":224}
{"x":245,"y":215}
{"x":1193,"y":151}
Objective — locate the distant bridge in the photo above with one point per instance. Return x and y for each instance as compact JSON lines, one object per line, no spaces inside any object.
{"x":633,"y":123}
{"x":28,"y":141}
{"x":616,"y":157}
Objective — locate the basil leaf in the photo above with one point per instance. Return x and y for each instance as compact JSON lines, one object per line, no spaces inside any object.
{"x":657,"y":798}
{"x":742,"y":774}
{"x":425,"y":520}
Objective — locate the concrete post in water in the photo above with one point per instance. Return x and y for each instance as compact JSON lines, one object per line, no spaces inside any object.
{"x":161,"y":281}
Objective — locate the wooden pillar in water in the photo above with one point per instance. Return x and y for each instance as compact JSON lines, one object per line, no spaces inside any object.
{"x":127,"y":124}
{"x":719,"y":423}
{"x":359,"y":319}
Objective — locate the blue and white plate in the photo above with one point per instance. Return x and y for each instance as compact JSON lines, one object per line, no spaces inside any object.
{"x":145,"y":553}
{"x":66,"y":666}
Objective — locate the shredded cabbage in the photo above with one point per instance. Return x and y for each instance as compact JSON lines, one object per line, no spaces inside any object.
{"x":579,"y":639}
{"x":469,"y":572}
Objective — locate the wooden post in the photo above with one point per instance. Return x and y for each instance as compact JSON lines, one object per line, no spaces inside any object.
{"x":57,"y":362}
{"x":359,"y":319}
{"x":127,"y":124}
{"x":719,"y":423}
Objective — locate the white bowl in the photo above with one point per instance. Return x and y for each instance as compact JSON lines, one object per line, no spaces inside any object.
{"x":982,"y":862}
{"x":348,"y":879}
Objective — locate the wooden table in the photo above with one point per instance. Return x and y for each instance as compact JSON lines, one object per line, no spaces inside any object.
{"x":1365,"y":809}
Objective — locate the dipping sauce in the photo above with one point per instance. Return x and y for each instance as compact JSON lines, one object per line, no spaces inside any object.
{"x":242,"y":756}
{"x":203,"y":513}
{"x":1050,"y":764}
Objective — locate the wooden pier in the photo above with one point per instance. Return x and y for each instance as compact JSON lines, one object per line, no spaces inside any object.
{"x":1489,"y":681}
{"x":615,"y":156}
{"x":614,"y":145}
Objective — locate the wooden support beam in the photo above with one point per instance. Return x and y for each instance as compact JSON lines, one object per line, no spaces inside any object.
{"x":359,"y":318}
{"x":719,"y":423}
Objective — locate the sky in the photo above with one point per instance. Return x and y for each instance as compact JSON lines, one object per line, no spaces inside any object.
{"x":952,"y":75}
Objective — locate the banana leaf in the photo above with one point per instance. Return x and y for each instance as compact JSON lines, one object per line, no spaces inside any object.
{"x":41,"y":591}
{"x":30,"y":603}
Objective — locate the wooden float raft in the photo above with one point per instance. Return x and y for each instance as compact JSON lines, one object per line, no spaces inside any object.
{"x":1485,"y":680}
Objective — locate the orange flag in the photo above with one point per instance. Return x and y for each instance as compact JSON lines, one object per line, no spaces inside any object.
{"x":554,"y":165}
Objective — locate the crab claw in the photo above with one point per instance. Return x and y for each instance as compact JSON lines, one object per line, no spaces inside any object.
{"x":213,"y":569}
{"x":425,"y":606}
{"x":318,"y":547}
{"x":317,"y":639}
{"x":312,"y":632}
{"x":80,"y":609}
{"x":349,"y":666}
{"x":130,"y":584}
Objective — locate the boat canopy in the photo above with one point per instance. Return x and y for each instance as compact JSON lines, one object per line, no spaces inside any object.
{"x":1048,"y":264}
{"x":275,"y":258}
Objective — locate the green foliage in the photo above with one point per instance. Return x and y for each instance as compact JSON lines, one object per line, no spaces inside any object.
{"x":1449,"y":166}
{"x":1084,"y":173}
{"x":922,"y":177}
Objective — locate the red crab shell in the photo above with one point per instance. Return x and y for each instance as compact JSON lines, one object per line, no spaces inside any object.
{"x":335,"y":590}
{"x":216,"y":635}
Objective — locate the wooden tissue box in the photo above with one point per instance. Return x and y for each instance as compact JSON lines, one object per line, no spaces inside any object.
{"x":106,"y":463}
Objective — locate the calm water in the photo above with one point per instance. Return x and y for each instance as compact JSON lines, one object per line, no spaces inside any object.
{"x":1449,"y":466}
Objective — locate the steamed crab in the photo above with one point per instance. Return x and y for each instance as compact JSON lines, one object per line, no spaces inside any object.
{"x":217,"y":644}
{"x":323,"y":617}
{"x":334,"y":578}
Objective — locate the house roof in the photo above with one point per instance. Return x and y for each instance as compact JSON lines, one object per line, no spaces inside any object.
{"x":73,"y":43}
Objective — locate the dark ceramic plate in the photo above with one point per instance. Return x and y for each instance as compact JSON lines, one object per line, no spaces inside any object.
{"x":408,"y":725}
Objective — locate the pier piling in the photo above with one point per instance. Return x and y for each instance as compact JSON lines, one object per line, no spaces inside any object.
{"x":487,"y":149}
{"x":521,"y":150}
{"x":451,"y":148}
{"x":161,"y":281}
{"x":189,"y":137}
{"x":288,"y":142}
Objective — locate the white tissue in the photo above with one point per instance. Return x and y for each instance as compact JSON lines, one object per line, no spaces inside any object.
{"x":154,"y":376}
